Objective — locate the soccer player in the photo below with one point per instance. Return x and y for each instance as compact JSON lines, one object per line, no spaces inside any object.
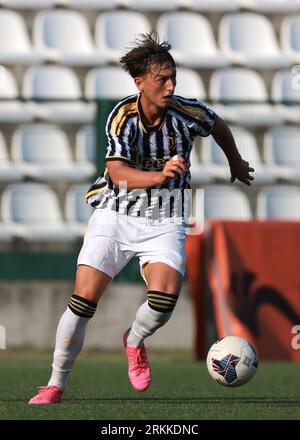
{"x":145,"y":132}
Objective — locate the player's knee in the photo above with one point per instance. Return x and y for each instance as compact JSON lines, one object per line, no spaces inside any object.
{"x":161,"y":301}
{"x":81,"y":306}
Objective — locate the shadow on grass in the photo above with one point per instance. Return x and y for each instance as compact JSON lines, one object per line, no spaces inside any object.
{"x":172,"y":400}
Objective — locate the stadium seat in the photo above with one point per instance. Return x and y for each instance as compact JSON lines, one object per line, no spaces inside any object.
{"x":282,"y":152}
{"x":245,"y":95}
{"x":286,"y":92}
{"x":32,"y":211}
{"x":67,"y":35}
{"x":116,"y":30}
{"x":6,"y":233}
{"x":31,"y":4}
{"x":95,"y":4}
{"x":215,"y":160}
{"x":12,"y":110}
{"x":77,"y":210}
{"x":213,"y":5}
{"x":182,"y":30}
{"x":156,"y":5}
{"x":15,"y":46}
{"x":290,"y":37}
{"x":86,"y":144}
{"x":270,"y":6}
{"x":249,"y":39}
{"x":110,"y":82}
{"x":47,"y":150}
{"x":189,"y":84}
{"x":226,"y":203}
{"x":199,"y":172}
{"x":280,"y":202}
{"x":57,"y":88}
{"x":9,"y":171}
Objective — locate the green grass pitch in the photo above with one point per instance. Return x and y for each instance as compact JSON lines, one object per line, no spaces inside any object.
{"x":181,"y":389}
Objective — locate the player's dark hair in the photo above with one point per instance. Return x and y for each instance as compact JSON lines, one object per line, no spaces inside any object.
{"x":147,"y":54}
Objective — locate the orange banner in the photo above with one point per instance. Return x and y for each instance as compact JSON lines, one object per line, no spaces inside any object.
{"x":254,"y":277}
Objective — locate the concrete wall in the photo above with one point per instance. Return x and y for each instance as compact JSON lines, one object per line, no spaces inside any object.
{"x":31,"y":310}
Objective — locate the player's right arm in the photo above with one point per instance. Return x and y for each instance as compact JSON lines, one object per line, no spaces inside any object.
{"x":120,"y":171}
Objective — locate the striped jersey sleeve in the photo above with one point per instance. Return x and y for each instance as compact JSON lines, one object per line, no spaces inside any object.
{"x":202,"y":117}
{"x":119,"y":130}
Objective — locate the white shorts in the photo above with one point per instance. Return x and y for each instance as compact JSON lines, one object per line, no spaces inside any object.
{"x":112,"y":239}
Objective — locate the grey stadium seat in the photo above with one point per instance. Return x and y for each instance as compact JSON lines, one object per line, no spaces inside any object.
{"x":245,"y":95}
{"x":46,"y":149}
{"x":77,"y":210}
{"x":32,"y":211}
{"x":182,"y":30}
{"x":279,"y":203}
{"x":241,"y":37}
{"x":67,"y":35}
{"x":226,"y":203}
{"x":58,"y":90}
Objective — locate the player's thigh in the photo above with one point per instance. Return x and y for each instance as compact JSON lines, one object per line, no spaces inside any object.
{"x":90,"y":283}
{"x":163,"y":278}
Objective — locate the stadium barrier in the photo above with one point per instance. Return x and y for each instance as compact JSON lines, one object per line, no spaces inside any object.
{"x":252,"y":273}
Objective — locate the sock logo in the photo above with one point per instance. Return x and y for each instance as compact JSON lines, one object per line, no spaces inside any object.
{"x":69,"y":341}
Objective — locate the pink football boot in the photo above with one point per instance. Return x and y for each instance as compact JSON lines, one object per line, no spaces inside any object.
{"x":138,"y":365}
{"x":46,"y":395}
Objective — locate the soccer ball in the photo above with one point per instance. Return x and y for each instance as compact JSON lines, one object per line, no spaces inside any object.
{"x":232,"y":361}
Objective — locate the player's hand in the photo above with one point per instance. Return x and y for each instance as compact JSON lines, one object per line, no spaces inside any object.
{"x":241,"y":172}
{"x":175,"y":167}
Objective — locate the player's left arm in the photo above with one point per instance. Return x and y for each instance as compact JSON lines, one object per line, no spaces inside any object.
{"x":239,"y":168}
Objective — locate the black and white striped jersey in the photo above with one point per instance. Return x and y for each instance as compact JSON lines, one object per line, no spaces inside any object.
{"x":148,"y":149}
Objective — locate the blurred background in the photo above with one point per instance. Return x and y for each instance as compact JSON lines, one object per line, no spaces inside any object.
{"x":60,"y":77}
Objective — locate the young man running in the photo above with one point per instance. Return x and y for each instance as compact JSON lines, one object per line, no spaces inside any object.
{"x":150,"y":137}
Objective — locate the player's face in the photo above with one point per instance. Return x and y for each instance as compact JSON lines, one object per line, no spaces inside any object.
{"x":158,"y":86}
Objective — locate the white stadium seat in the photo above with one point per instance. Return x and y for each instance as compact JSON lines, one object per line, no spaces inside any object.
{"x":77,"y":210}
{"x":46,"y":149}
{"x":290,"y":37}
{"x":15,"y":46}
{"x":157,"y":5}
{"x":116,"y":30}
{"x":270,"y":6}
{"x":226,"y":203}
{"x":6,"y":233}
{"x":189,"y":84}
{"x":58,"y":90}
{"x":245,"y":95}
{"x":192,"y":39}
{"x":86,"y":144}
{"x":213,"y":5}
{"x":67,"y":35}
{"x":286,"y":92}
{"x":95,"y":4}
{"x":31,"y":4}
{"x":32,"y":211}
{"x":249,"y":39}
{"x":110,"y":82}
{"x":282,"y":152}
{"x":12,"y":110}
{"x":199,"y":171}
{"x":280,"y":202}
{"x":8,"y":170}
{"x":215,"y":160}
